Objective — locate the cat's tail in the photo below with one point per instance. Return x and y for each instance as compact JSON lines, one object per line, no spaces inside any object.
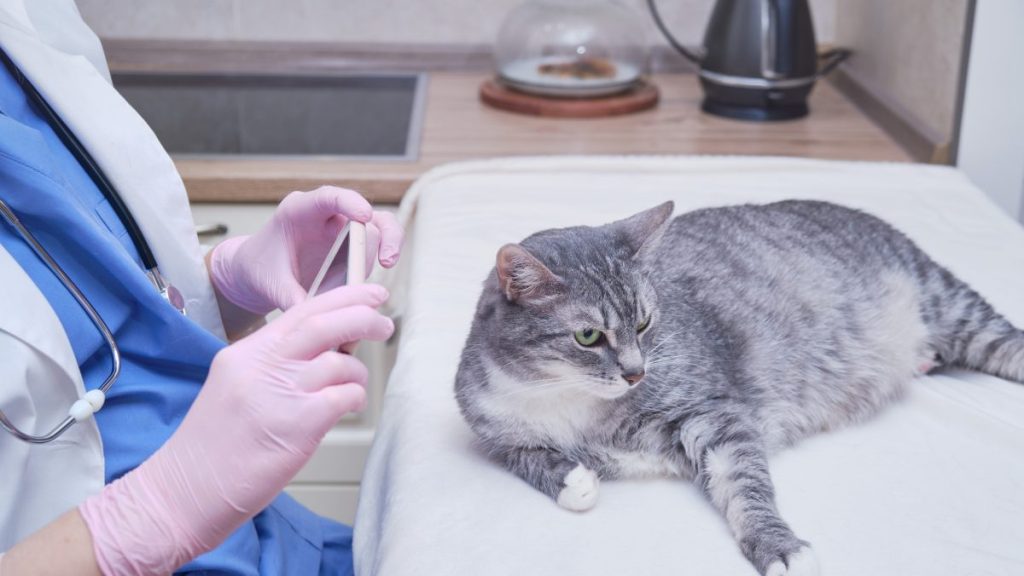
{"x":997,"y":348}
{"x":967,"y":331}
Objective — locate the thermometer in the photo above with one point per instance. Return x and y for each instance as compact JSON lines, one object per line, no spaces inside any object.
{"x":356,"y":233}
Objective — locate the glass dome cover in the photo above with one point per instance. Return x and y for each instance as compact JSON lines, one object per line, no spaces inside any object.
{"x":574,"y":48}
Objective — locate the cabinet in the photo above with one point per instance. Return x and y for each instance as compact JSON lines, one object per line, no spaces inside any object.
{"x":329,"y":483}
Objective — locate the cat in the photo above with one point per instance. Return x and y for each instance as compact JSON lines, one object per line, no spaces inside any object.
{"x":697,"y":346}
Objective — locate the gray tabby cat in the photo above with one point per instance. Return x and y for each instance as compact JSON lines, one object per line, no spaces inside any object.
{"x":698,"y":346}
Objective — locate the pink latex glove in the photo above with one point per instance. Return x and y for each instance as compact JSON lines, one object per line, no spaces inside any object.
{"x":274,"y":267}
{"x":268,"y":401}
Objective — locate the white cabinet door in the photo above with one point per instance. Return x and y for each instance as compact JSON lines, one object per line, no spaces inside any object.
{"x":335,"y":501}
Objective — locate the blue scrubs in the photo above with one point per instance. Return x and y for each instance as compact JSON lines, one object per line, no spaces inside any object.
{"x":165,"y":356}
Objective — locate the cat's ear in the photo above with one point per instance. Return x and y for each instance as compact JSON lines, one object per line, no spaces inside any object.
{"x":642,"y":232}
{"x":525,"y":279}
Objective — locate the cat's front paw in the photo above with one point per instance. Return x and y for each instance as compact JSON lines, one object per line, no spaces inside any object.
{"x":580,"y":492}
{"x":803,"y":562}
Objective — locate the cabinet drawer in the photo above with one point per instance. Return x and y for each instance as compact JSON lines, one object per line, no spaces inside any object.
{"x":236,"y":218}
{"x":335,"y":501}
{"x":340,"y":457}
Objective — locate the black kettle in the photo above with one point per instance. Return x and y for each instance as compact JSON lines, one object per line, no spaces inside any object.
{"x":759,"y":60}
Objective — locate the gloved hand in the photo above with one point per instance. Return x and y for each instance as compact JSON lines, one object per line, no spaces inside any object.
{"x":266,"y":404}
{"x":274,"y":267}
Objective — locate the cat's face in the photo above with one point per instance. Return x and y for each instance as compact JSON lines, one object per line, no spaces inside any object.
{"x":577,"y":312}
{"x":598,"y":337}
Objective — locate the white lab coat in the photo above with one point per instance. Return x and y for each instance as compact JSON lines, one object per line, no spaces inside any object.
{"x":39,"y":376}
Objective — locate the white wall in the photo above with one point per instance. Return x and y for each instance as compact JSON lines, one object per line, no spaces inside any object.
{"x":363,"y":21}
{"x":992,"y":129}
{"x":909,"y":52}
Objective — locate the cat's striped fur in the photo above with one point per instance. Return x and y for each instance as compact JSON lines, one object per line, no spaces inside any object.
{"x":767,"y":324}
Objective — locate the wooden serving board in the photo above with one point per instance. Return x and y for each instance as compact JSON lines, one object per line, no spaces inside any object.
{"x":496,"y":94}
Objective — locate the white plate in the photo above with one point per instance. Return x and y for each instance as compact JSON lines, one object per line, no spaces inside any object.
{"x":525,"y":75}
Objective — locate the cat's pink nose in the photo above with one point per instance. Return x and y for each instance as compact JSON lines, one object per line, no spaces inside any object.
{"x":633,"y":377}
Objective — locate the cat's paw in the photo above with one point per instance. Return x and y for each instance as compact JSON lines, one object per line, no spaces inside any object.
{"x":803,"y":562}
{"x":580,"y":492}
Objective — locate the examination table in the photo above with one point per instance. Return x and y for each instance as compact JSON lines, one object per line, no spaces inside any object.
{"x":932,"y":486}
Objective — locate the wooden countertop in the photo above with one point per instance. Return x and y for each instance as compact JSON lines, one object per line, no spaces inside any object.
{"x":457,"y":126}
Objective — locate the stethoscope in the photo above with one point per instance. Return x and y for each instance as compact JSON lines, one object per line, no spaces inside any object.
{"x":92,"y":401}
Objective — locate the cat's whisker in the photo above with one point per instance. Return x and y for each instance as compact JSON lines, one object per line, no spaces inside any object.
{"x":566,"y":384}
{"x":493,"y":371}
{"x":545,"y":387}
{"x":674,"y":358}
{"x":664,"y":341}
{"x":685,"y":355}
{"x":522,"y":359}
{"x":515,"y":360}
{"x":681,"y":361}
{"x":667,"y":358}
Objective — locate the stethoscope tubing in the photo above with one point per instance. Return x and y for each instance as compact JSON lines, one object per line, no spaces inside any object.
{"x":87,"y":162}
{"x":108,"y":336}
{"x":93,"y":399}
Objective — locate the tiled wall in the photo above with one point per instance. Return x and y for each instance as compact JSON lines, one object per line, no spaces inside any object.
{"x":388,"y":21}
{"x":909,"y":52}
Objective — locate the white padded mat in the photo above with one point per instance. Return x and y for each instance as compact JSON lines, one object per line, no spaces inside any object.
{"x":933,"y":486}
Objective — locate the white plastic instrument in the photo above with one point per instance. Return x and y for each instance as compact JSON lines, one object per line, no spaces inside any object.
{"x":356,"y":233}
{"x":356,"y":254}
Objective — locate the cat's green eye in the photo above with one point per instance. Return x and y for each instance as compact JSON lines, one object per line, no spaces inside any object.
{"x":643,"y":325}
{"x":588,"y":336}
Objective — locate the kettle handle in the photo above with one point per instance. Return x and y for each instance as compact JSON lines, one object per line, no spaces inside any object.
{"x":690,"y":55}
{"x":832,"y":59}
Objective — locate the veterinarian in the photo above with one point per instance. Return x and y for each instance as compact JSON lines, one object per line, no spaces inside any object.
{"x":180,"y":464}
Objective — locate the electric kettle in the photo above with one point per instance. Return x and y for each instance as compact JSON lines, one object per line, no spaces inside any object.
{"x":759,"y":60}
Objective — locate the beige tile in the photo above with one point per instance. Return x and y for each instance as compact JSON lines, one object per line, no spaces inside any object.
{"x":397,"y":21}
{"x":910,"y":50}
{"x":409,"y":21}
{"x":274,"y":20}
{"x":824,"y":14}
{"x":179,"y":19}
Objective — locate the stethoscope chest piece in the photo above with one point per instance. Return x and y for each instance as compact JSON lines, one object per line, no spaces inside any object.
{"x":174,"y":297}
{"x":167,"y":290}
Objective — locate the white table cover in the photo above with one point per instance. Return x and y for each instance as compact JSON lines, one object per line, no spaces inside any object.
{"x":932,"y":486}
